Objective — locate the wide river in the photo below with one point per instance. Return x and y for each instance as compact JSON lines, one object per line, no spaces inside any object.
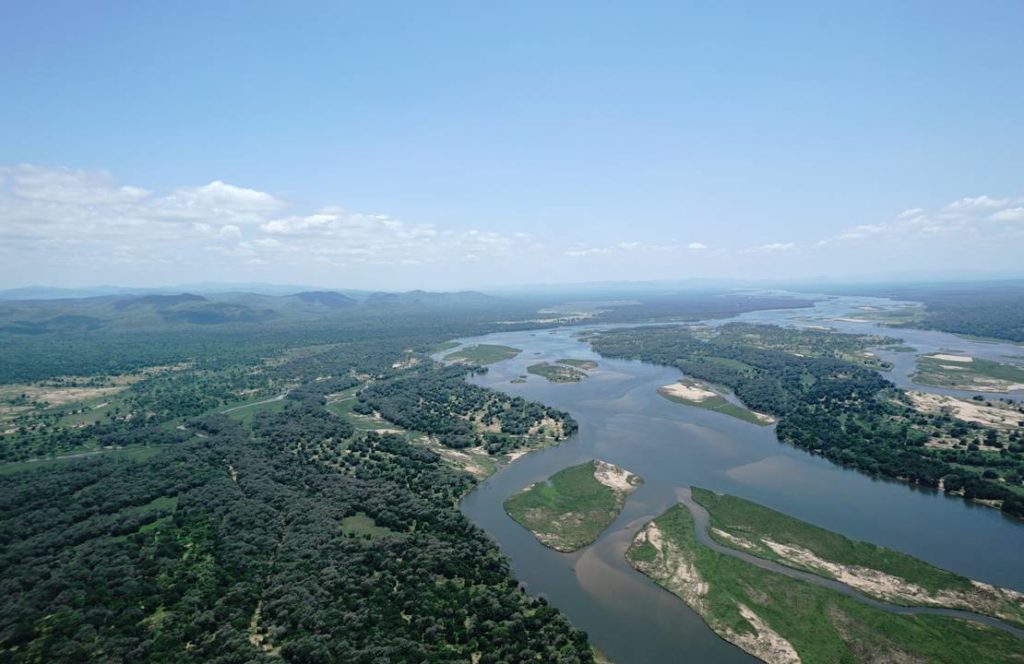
{"x":624,"y":421}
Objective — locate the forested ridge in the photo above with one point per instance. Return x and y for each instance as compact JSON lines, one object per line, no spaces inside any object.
{"x":828,"y":401}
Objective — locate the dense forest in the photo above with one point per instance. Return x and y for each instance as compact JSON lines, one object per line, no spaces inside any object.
{"x":828,"y":399}
{"x":235,"y":548}
{"x":284,"y":533}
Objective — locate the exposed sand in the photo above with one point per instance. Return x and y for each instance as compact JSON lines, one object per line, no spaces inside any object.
{"x":688,"y":392}
{"x":674,"y":570}
{"x":952,"y":358}
{"x":615,"y":478}
{"x":967,"y":410}
{"x":982,"y":597}
{"x":765,"y":643}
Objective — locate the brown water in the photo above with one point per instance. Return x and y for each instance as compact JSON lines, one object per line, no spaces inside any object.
{"x":624,"y":421}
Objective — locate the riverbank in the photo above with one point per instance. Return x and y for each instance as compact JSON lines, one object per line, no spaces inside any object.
{"x":888,"y":575}
{"x":782,"y":620}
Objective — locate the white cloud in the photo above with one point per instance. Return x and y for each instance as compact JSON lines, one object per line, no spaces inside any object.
{"x":1009,"y":214}
{"x":978,"y":202}
{"x":769,"y":248}
{"x":962,"y":219}
{"x":696,"y":246}
{"x":65,"y":186}
{"x":87,"y":216}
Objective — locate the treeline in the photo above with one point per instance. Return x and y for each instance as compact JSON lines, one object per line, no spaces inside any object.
{"x":841,"y":410}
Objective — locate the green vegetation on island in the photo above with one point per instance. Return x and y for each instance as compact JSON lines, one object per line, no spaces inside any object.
{"x":889,"y":575}
{"x":828,"y":398}
{"x":586,"y":365}
{"x":483,"y":354}
{"x":557,"y":373}
{"x":573,"y":507}
{"x":692,"y":393}
{"x":962,"y":372}
{"x":782,"y":620}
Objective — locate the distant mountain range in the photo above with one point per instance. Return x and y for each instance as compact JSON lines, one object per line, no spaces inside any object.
{"x":33,"y":311}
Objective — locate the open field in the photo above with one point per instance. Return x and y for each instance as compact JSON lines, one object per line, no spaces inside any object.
{"x":693,"y":393}
{"x":782,"y":620}
{"x":556,"y":373}
{"x":882,"y":573}
{"x":968,"y":373}
{"x":573,"y":507}
{"x":483,"y":354}
{"x":361,"y":525}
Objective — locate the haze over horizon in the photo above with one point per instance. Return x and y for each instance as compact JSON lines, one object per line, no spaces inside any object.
{"x":464,"y":146}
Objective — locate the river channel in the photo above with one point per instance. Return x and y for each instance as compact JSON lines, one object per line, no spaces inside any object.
{"x":624,"y":421}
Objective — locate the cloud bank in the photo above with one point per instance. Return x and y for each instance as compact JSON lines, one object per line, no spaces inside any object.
{"x":75,"y":227}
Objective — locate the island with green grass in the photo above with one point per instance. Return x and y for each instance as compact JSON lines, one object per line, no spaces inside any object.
{"x":573,"y":507}
{"x":483,"y":354}
{"x":962,"y":372}
{"x":888,"y":575}
{"x":556,"y":373}
{"x":783,"y":620}
{"x":586,"y":365}
{"x":700,"y":395}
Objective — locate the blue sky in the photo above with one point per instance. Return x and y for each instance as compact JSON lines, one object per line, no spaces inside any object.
{"x":446,"y":145}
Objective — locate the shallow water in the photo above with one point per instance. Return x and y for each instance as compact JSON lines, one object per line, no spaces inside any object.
{"x":624,"y":421}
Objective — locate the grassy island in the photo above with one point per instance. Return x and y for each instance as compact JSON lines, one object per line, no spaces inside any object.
{"x":483,"y":354}
{"x":784,"y":620}
{"x":557,"y":373}
{"x":586,"y":365}
{"x":873,"y":570}
{"x":693,"y":393}
{"x":573,"y":507}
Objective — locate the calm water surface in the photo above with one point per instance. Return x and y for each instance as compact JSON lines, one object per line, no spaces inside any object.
{"x":623,"y":420}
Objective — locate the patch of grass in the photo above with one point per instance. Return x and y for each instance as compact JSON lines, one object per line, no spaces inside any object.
{"x":483,"y":354}
{"x":245,"y":414}
{"x":555,"y":373}
{"x":579,"y":364}
{"x":569,"y":510}
{"x":361,"y":525}
{"x":822,"y":625}
{"x":135,"y":453}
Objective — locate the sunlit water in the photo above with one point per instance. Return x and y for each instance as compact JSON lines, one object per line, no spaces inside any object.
{"x":623,"y":420}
